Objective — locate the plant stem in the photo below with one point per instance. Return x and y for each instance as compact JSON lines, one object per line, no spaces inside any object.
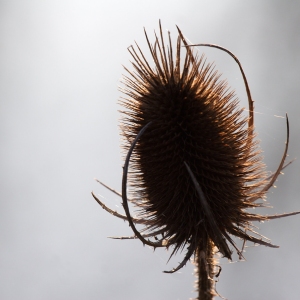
{"x":205,"y":270}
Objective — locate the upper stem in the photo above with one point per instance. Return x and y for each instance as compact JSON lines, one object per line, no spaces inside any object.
{"x":205,"y":270}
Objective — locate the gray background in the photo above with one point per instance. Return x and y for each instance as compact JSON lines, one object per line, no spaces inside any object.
{"x":60,"y":66}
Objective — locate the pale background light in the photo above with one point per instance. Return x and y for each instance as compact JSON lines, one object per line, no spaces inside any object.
{"x":60,"y":66}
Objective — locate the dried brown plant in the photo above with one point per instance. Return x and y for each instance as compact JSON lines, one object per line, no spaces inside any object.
{"x":195,"y":165}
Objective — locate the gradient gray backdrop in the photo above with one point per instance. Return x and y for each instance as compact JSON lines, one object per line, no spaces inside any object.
{"x":60,"y":66}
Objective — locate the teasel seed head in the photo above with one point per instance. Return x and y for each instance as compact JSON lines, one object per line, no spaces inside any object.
{"x":193,"y":160}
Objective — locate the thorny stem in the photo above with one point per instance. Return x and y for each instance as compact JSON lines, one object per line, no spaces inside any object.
{"x":205,"y":270}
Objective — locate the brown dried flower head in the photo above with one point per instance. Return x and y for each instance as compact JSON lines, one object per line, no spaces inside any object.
{"x":195,"y":166}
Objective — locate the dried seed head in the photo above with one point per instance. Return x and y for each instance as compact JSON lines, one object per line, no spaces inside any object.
{"x":195,"y":119}
{"x":195,"y":165}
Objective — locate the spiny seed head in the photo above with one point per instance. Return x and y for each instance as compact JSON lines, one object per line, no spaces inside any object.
{"x":195,"y":119}
{"x":195,"y":166}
